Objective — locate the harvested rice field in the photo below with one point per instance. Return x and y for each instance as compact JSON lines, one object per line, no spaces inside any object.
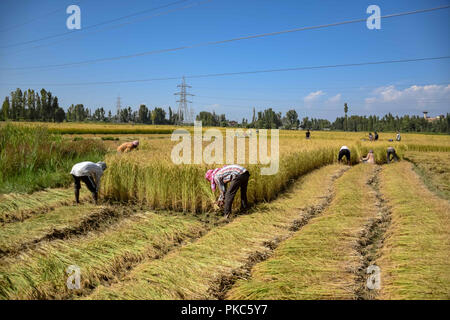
{"x":316,"y":229}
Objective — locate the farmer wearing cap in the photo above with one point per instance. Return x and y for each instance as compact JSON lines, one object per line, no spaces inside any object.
{"x":90,"y":173}
{"x":238,"y":177}
{"x":128,"y":146}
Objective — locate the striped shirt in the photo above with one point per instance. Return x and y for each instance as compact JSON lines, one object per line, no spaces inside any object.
{"x":226,"y":174}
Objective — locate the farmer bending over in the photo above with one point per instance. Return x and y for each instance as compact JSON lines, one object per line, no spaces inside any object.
{"x":344,"y":151}
{"x":90,"y":173}
{"x":369,"y":159}
{"x":238,"y":177}
{"x":391,"y":152}
{"x":128,"y":146}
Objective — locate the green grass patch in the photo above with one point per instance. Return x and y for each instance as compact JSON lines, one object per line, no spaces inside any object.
{"x":32,"y":159}
{"x":116,"y":130}
{"x":110,"y":139}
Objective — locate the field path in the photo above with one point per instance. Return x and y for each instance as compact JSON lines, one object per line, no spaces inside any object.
{"x":206,"y":268}
{"x":415,"y":259}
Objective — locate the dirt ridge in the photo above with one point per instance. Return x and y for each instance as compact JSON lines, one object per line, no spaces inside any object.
{"x":371,"y":239}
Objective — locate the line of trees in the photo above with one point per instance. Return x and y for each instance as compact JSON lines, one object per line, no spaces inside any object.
{"x":390,"y":123}
{"x":43,"y":106}
{"x":31,"y":105}
{"x":209,"y":119}
{"x":269,"y":119}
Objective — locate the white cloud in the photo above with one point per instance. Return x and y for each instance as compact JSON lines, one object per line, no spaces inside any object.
{"x":313,"y":96}
{"x":415,"y":97}
{"x":335,"y":99}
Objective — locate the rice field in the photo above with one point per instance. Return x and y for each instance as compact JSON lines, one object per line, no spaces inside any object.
{"x":312,"y":230}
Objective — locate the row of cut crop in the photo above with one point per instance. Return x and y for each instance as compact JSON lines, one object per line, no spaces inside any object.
{"x":414,"y":261}
{"x":197,"y":270}
{"x":100,"y":256}
{"x":320,"y":261}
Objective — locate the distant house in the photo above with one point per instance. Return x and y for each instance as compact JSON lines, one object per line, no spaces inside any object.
{"x":431,"y":119}
{"x":232,"y":123}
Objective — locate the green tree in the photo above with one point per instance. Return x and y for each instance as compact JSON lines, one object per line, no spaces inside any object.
{"x":208,"y":119}
{"x":143,"y":114}
{"x":268,"y":119}
{"x":158,"y":116}
{"x":5,"y":109}
{"x":345,"y":111}
{"x":60,"y":115}
{"x":291,"y":120}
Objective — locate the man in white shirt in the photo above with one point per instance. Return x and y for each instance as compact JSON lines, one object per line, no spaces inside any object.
{"x":90,"y":173}
{"x":344,"y":151}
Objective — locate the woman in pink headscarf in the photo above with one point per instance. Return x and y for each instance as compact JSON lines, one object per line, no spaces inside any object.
{"x":128,"y":146}
{"x":238,"y":177}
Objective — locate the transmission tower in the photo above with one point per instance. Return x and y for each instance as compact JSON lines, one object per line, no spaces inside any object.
{"x":119,"y":106}
{"x":185,"y":114}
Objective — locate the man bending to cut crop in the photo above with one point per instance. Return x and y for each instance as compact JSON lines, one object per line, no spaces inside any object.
{"x":344,"y":152}
{"x":238,"y":177}
{"x":90,"y":173}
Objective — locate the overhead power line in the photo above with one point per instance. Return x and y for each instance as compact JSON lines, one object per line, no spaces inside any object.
{"x":223,"y":41}
{"x":34,"y":19}
{"x":210,"y":75}
{"x":94,"y":25}
{"x":82,"y":33}
{"x":30,"y":21}
{"x":301,"y":87}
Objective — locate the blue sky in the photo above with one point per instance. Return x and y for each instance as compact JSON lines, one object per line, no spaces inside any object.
{"x":404,"y":88}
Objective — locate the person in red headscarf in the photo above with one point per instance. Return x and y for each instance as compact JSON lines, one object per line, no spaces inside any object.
{"x":128,"y":146}
{"x":238,"y":177}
